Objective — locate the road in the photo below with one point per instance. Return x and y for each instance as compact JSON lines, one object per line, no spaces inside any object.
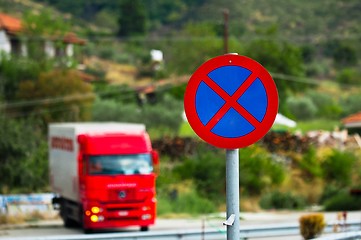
{"x":55,"y":227}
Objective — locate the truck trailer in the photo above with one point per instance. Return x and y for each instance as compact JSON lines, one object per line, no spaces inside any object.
{"x":103,"y":175}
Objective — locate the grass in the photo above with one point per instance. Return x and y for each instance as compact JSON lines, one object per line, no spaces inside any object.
{"x":186,"y":131}
{"x":303,"y":126}
{"x":317,"y":124}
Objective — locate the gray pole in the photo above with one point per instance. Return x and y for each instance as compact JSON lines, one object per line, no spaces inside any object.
{"x":232,"y":192}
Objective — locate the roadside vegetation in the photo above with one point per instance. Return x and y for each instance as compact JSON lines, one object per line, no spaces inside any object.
{"x":319,"y":83}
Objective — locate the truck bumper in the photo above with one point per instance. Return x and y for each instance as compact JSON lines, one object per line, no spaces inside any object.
{"x":120,"y":216}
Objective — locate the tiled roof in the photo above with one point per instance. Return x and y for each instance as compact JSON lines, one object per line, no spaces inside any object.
{"x":353,"y":120}
{"x":9,"y":23}
{"x":73,"y":38}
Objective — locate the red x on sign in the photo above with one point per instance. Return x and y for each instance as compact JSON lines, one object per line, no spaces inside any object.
{"x":231,"y":101}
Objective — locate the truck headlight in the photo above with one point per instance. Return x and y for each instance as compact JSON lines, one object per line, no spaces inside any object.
{"x":94,"y":218}
{"x":96,"y":210}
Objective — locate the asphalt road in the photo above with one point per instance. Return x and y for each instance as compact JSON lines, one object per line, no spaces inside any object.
{"x":55,"y":227}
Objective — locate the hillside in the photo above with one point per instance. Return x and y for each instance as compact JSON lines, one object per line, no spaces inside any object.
{"x":294,"y":18}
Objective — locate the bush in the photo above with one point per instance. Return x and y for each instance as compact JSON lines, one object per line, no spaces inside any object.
{"x":165,"y":113}
{"x":351,"y":104}
{"x":342,"y":201}
{"x":312,"y":225}
{"x":181,"y":197}
{"x":338,"y":168}
{"x":349,"y":76}
{"x":301,"y":107}
{"x":258,"y":170}
{"x":325,"y":103}
{"x":208,"y":170}
{"x":282,"y":200}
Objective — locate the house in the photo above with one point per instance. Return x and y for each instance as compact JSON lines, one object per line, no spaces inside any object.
{"x":353,"y":123}
{"x":10,"y":28}
{"x":13,"y":40}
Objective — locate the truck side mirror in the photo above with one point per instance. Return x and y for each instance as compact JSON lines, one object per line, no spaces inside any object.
{"x":155,"y":157}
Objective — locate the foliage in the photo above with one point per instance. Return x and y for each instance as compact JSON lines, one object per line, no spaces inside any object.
{"x":345,"y":55}
{"x":342,"y":201}
{"x":258,"y":171}
{"x":312,"y":225}
{"x":166,"y":113}
{"x":317,"y":124}
{"x":279,"y":57}
{"x":310,"y":165}
{"x":301,"y":107}
{"x":132,"y":19}
{"x":187,"y":202}
{"x":204,"y":168}
{"x":349,"y":76}
{"x":281,"y":200}
{"x":326,"y":105}
{"x":338,"y":168}
{"x":45,"y":23}
{"x":59,"y":95}
{"x":23,"y":156}
{"x":351,"y":104}
{"x":15,"y":70}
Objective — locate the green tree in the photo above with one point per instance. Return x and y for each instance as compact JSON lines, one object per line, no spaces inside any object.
{"x":23,"y":156}
{"x":279,"y":58}
{"x":15,"y":70}
{"x":132,"y":19}
{"x":43,"y":25}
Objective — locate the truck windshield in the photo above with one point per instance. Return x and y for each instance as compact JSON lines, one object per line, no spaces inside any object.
{"x":120,"y":164}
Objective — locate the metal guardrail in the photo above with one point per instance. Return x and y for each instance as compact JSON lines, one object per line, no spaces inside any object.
{"x":249,"y":232}
{"x":342,"y":236}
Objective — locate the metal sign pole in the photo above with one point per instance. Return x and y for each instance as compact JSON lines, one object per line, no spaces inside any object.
{"x":232,"y":194}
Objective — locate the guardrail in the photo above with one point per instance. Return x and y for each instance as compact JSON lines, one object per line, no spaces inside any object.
{"x":209,"y":234}
{"x":342,"y":236}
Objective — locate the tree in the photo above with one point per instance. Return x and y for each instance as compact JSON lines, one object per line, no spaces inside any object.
{"x":279,"y":58}
{"x":58,"y":95}
{"x":23,"y":156}
{"x":132,"y":20}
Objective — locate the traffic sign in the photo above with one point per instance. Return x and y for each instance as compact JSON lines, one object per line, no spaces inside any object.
{"x":231,"y":101}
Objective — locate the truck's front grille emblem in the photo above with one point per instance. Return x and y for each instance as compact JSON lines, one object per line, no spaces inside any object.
{"x":122,"y":194}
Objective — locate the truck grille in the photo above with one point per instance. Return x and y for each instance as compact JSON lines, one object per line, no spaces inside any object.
{"x":123,"y":195}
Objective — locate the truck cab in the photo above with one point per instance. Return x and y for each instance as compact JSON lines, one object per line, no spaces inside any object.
{"x":114,"y":182}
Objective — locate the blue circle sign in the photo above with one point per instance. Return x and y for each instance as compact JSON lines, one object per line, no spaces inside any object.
{"x":231,"y":101}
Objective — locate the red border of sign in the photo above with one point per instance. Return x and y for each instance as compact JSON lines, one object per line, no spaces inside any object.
{"x":190,"y":105}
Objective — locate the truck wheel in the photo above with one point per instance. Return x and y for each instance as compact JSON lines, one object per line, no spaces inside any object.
{"x":68,"y":222}
{"x":144,"y":228}
{"x":88,"y":231}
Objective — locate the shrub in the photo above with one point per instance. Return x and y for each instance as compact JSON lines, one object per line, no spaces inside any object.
{"x":338,"y":168}
{"x":258,"y":170}
{"x":349,"y":76}
{"x":325,"y":104}
{"x":311,"y":225}
{"x":282,"y":200}
{"x":302,"y":108}
{"x":351,"y":104}
{"x":342,"y":201}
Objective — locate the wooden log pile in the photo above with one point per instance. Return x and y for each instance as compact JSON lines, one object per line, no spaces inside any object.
{"x":175,"y":147}
{"x":286,"y":141}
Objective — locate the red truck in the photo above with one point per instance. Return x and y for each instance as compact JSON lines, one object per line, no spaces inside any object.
{"x":103,"y":175}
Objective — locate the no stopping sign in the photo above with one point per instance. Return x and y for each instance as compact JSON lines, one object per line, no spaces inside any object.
{"x":231,"y":101}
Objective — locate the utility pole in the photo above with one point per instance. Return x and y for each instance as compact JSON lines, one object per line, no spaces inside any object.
{"x":225,"y":36}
